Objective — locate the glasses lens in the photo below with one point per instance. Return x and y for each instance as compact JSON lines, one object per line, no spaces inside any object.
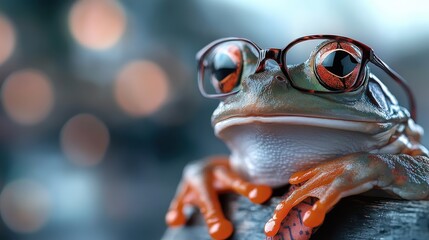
{"x":225,"y":65}
{"x":324,"y":65}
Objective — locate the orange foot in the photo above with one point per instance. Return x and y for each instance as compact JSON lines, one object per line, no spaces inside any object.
{"x":329,"y":182}
{"x":201,"y":184}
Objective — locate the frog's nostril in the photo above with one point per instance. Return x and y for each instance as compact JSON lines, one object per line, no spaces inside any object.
{"x":280,"y":78}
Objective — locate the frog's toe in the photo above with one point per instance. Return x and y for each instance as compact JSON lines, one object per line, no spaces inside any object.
{"x":175,"y":215}
{"x":221,"y":229}
{"x":315,"y":216}
{"x":303,"y":176}
{"x":231,"y":181}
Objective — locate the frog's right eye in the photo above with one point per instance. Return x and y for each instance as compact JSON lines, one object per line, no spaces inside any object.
{"x":226,"y":64}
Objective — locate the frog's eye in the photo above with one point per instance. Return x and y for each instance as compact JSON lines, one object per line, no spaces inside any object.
{"x":226,"y":65}
{"x":337,"y":65}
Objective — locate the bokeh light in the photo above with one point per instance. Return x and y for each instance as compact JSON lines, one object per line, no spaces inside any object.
{"x":27,"y":96}
{"x":85,"y":139}
{"x":7,"y":39}
{"x":25,"y":206}
{"x":141,"y":88}
{"x":97,"y":24}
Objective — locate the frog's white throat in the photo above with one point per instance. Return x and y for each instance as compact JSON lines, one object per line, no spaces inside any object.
{"x":267,"y":150}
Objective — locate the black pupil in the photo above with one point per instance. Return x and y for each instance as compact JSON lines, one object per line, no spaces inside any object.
{"x":339,"y":63}
{"x":223,"y":66}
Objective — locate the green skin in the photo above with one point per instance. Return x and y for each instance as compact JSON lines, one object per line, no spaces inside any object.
{"x":401,"y":168}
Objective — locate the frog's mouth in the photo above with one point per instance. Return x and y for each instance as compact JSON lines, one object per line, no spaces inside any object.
{"x":339,"y":124}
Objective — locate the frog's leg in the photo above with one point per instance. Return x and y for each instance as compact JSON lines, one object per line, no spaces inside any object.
{"x":405,"y":175}
{"x":201,"y":184}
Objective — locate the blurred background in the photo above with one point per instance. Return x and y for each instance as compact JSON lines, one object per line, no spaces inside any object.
{"x":100,"y":110}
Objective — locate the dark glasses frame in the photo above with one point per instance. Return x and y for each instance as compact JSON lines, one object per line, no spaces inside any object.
{"x":278,"y":55}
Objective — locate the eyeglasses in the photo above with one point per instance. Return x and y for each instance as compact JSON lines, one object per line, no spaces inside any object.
{"x":337,"y":65}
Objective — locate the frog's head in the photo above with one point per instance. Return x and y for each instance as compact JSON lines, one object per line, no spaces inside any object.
{"x":274,"y":128}
{"x":268,"y":95}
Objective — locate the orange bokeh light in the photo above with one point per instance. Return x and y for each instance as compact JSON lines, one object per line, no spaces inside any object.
{"x":7,"y":39}
{"x":97,"y":24}
{"x":141,"y":88}
{"x":25,"y":206}
{"x":27,"y":96}
{"x":84,"y":140}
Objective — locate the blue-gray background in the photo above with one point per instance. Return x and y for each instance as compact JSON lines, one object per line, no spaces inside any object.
{"x":126,"y":195}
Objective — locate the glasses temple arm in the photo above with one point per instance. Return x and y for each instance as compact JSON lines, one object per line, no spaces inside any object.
{"x":411,"y":101}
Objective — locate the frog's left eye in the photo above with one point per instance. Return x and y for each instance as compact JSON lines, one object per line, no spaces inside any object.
{"x":226,"y":66}
{"x":337,"y":65}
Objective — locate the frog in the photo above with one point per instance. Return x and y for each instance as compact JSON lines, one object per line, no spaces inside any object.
{"x":327,"y":125}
